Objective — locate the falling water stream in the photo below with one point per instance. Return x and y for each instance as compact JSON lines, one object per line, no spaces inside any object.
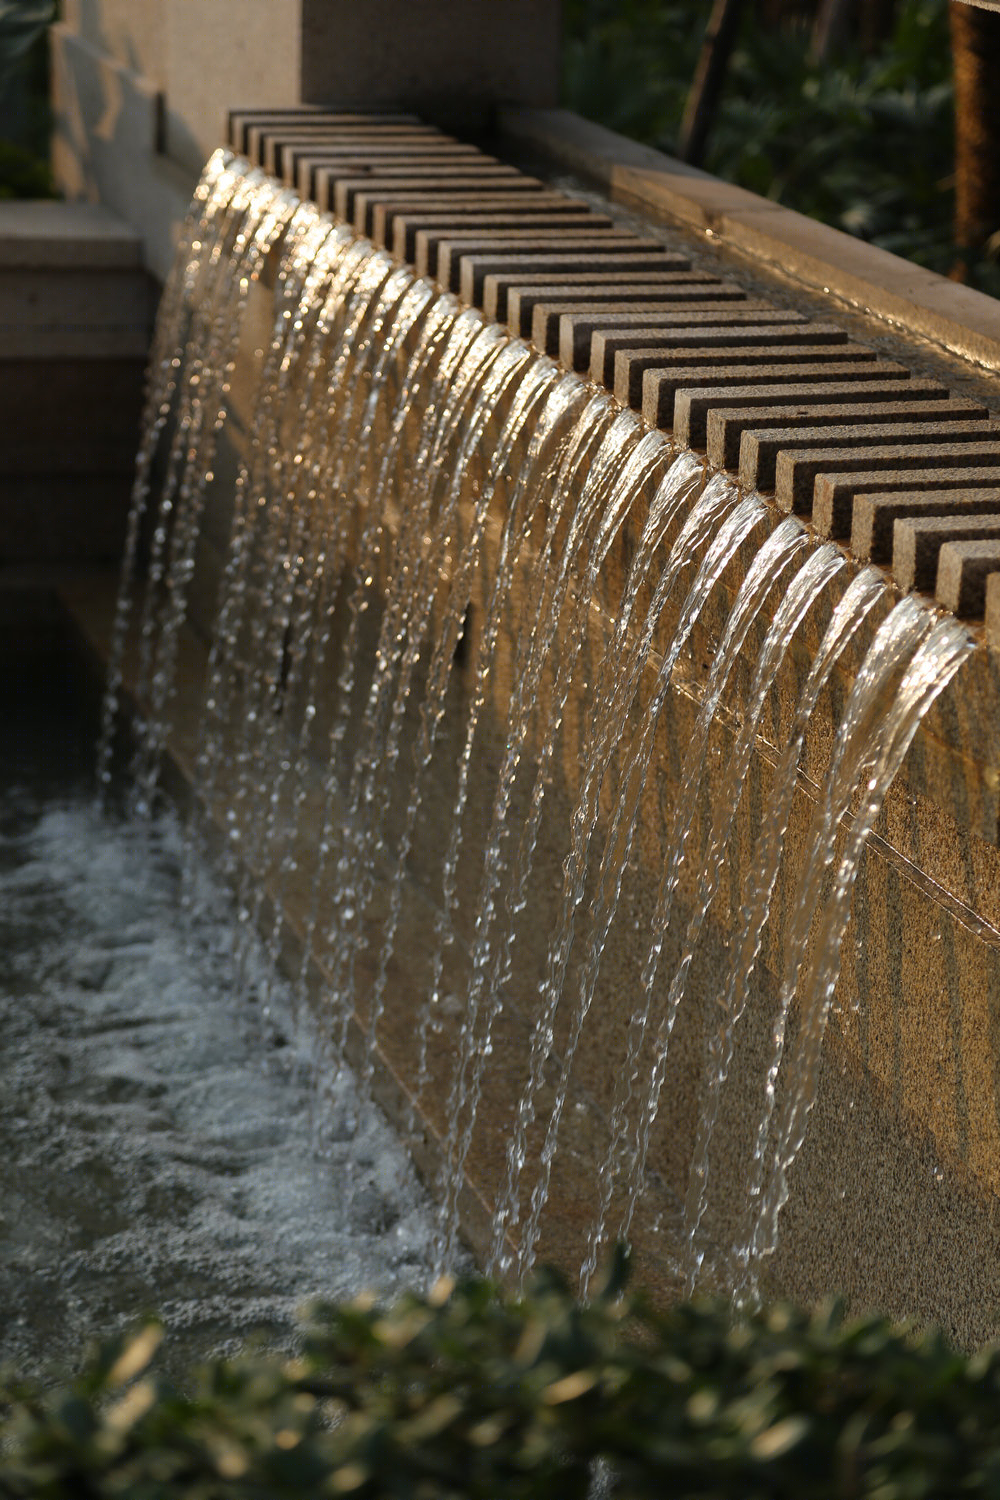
{"x":416,"y":631}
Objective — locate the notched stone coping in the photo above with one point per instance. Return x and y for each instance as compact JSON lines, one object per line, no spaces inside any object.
{"x":813,"y":255}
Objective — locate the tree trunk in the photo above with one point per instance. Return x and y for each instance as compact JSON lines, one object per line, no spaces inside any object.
{"x":703,"y":98}
{"x":878,"y":17}
{"x":975,"y":40}
{"x":786,"y":12}
{"x":831,"y":27}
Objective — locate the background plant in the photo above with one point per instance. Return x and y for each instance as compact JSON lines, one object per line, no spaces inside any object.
{"x":863,"y":142}
{"x":25,"y":115}
{"x":465,"y":1394}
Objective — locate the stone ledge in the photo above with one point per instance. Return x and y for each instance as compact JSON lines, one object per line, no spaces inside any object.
{"x":811,"y":255}
{"x":52,"y":235}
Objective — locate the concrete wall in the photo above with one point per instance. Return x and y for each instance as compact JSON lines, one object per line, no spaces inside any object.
{"x":142,"y":87}
{"x":76,"y":311}
{"x":446,"y":61}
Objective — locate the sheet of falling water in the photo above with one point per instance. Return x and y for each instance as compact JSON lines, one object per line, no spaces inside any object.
{"x":167,"y":1141}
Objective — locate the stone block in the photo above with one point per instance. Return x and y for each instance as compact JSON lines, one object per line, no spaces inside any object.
{"x":346,"y":190}
{"x":912,"y":445}
{"x":578,"y":331}
{"x":655,"y":290}
{"x":744,"y":343}
{"x":246,"y":127}
{"x":440,"y":252}
{"x":874,"y":514}
{"x":835,"y":397}
{"x":909,"y":402}
{"x":964,"y":567}
{"x":496,"y":287}
{"x":917,"y":541}
{"x":637,"y":255}
{"x":480,"y":209}
{"x":833,"y":493}
{"x":310,"y":170}
{"x":672,"y":369}
{"x":796,"y":249}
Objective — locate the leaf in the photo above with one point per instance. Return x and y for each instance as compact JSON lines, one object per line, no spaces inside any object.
{"x":136,"y":1355}
{"x":779,"y":1439}
{"x":21,"y":23}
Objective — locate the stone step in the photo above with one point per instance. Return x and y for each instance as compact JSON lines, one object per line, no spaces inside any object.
{"x":76,"y":310}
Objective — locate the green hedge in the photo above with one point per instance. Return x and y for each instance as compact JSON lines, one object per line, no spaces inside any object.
{"x":466,"y":1393}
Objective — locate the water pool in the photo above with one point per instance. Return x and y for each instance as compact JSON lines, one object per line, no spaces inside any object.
{"x":168,"y":1140}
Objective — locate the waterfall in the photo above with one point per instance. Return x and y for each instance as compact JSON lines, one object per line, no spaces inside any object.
{"x":463,"y":602}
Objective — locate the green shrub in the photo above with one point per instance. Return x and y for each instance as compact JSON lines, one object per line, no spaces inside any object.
{"x":864,"y":142}
{"x":466,"y":1393}
{"x":25,"y":114}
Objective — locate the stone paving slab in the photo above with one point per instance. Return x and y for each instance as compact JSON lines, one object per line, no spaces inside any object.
{"x":917,"y":542}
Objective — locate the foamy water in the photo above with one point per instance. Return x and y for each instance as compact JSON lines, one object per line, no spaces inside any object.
{"x":167,"y":1140}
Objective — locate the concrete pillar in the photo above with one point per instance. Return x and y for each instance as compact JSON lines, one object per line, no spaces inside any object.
{"x":449,"y":60}
{"x":142,"y":87}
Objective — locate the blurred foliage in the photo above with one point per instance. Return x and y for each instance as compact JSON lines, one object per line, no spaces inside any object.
{"x":25,"y":114}
{"x":467,"y":1395}
{"x":21,"y":24}
{"x":864,"y":142}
